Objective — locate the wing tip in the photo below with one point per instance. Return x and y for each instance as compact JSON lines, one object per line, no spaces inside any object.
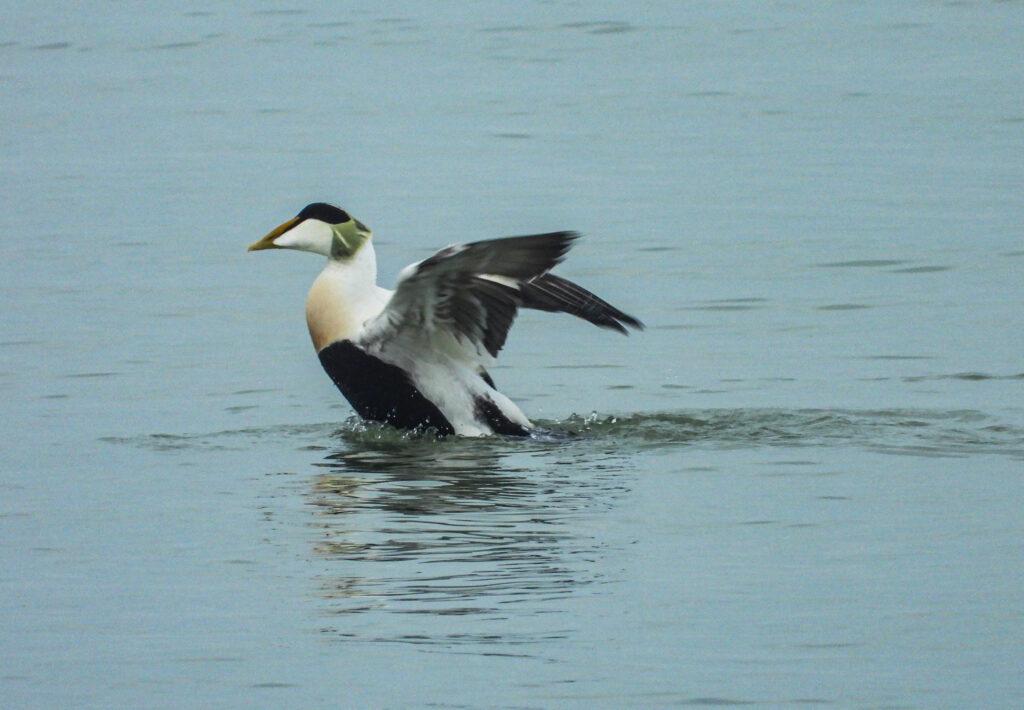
{"x":634,"y":323}
{"x":620,"y":320}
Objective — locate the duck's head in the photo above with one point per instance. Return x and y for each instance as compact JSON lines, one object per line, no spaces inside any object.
{"x":319,"y":228}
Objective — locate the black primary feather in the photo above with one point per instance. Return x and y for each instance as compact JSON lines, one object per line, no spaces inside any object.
{"x":557,"y":295}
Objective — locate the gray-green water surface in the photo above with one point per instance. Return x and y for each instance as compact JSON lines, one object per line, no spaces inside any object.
{"x":801,"y":486}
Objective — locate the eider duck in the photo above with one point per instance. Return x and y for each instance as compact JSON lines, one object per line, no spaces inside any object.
{"x":416,"y":357}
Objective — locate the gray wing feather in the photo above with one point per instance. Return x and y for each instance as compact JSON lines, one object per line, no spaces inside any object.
{"x":475,"y":290}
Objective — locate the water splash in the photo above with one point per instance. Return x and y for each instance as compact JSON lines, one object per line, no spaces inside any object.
{"x":897,"y":431}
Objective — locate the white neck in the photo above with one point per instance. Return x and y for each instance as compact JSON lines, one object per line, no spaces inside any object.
{"x":343,"y":297}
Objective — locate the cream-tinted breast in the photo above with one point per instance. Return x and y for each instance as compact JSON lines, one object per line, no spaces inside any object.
{"x":326,"y":315}
{"x":342,"y":298}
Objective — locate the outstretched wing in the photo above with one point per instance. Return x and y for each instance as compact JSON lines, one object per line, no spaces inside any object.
{"x":466,"y":296}
{"x":553,"y":293}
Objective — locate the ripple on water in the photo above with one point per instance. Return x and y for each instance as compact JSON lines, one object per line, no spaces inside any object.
{"x":461,"y":532}
{"x":376,"y":448}
{"x":464,"y":534}
{"x":897,"y":431}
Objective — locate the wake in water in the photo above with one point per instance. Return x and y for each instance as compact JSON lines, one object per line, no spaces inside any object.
{"x":896,"y":431}
{"x":918,"y":432}
{"x":921,"y":432}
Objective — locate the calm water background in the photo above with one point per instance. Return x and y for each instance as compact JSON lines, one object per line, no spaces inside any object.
{"x":801,"y":486}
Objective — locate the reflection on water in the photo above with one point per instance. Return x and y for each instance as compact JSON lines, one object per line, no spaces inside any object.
{"x":489,"y":545}
{"x":441,"y":542}
{"x":740,"y":537}
{"x":459,"y":528}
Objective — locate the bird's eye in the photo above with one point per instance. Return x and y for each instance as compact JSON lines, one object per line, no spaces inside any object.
{"x":325,"y":213}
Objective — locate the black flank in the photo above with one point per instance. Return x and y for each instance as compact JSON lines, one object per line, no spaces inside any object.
{"x":488,"y":411}
{"x":381,"y":392}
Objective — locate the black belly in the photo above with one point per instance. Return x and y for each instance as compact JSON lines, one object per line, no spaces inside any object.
{"x":379,"y":391}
